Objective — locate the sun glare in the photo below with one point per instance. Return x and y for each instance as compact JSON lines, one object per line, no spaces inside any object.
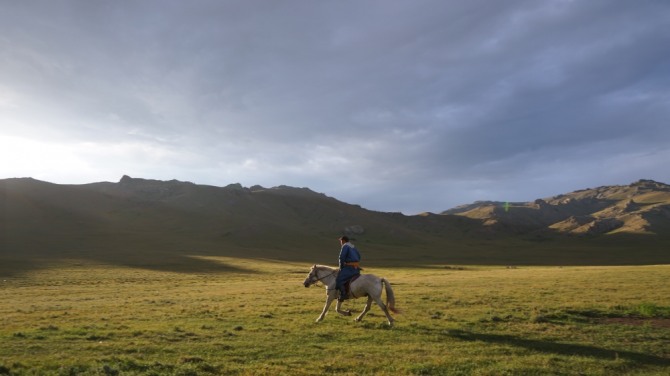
{"x":38,"y":159}
{"x":77,"y":162}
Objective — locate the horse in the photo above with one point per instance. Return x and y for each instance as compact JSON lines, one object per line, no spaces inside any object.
{"x":366,"y":285}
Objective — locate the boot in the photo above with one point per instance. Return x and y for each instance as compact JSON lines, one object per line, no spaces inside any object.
{"x":343,"y":296}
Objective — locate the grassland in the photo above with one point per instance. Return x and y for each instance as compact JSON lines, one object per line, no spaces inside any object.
{"x":79,"y":317}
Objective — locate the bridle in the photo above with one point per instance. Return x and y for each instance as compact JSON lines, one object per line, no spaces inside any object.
{"x":313,"y":280}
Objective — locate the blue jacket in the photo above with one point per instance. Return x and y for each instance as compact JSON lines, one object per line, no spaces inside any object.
{"x":349,"y":253}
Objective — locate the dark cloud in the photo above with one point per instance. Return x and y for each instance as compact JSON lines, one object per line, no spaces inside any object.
{"x":396,"y":106}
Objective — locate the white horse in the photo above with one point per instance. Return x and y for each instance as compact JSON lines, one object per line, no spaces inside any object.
{"x":365,"y":285}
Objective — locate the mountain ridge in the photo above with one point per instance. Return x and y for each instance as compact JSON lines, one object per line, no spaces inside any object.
{"x":641,"y":207}
{"x":149,"y":223}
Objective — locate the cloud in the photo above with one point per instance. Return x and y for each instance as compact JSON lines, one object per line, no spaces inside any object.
{"x":396,"y":106}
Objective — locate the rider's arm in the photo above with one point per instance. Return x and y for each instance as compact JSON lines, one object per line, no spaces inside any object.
{"x":343,"y":255}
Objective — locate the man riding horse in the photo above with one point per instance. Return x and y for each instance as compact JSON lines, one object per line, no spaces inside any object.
{"x":349,"y":266}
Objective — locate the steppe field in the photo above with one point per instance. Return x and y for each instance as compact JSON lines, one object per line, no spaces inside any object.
{"x":254,"y":317}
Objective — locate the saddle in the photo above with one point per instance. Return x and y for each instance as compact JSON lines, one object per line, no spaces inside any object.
{"x":347,"y":285}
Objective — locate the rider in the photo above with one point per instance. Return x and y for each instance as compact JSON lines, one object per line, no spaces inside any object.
{"x":349,"y":265}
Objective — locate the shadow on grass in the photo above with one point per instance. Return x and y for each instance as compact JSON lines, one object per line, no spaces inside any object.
{"x":179,"y":264}
{"x":160,"y":260}
{"x":560,"y":348}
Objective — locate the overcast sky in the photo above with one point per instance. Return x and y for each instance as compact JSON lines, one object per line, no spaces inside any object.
{"x":397,"y":106}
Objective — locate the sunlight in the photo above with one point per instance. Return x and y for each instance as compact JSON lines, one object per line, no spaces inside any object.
{"x":38,"y":159}
{"x":79,"y":162}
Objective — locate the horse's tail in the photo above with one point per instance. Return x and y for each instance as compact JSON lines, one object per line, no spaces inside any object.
{"x":390,"y":297}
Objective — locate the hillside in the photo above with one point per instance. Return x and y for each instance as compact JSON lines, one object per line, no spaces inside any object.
{"x":175,"y":225}
{"x":639,"y":208}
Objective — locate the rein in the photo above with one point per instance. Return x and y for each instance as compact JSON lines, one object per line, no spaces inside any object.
{"x":324,"y":277}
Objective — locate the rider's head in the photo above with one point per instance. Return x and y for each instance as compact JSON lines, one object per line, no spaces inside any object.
{"x":344,"y":239}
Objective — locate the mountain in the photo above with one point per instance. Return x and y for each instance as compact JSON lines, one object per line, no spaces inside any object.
{"x":178,"y":226}
{"x":639,"y":208}
{"x":139,"y":221}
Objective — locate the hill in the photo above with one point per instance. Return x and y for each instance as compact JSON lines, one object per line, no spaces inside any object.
{"x":175,"y":225}
{"x":639,"y":208}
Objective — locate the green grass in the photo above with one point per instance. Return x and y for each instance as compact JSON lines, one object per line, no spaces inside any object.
{"x":254,"y":317}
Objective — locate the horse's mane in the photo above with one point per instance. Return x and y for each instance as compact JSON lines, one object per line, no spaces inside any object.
{"x":318,"y":266}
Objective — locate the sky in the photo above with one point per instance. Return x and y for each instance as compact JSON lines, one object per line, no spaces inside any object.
{"x":398,"y":106}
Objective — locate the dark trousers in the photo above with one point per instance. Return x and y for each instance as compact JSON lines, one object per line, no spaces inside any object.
{"x":345,"y":274}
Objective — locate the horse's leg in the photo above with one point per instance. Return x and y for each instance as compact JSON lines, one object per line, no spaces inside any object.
{"x":329,"y":299}
{"x":339,"y":310}
{"x":365,"y":310}
{"x":378,"y":300}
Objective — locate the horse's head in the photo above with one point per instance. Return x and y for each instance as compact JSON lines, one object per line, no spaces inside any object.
{"x":312,"y":277}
